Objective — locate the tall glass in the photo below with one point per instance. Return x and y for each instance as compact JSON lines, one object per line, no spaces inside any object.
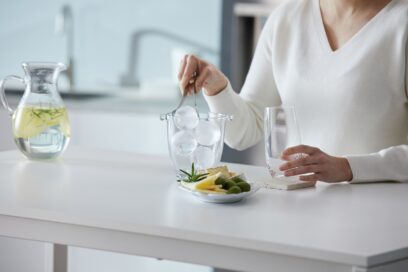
{"x":281,"y":131}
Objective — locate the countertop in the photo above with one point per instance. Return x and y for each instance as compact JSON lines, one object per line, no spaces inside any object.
{"x":130,"y":203}
{"x":118,"y":101}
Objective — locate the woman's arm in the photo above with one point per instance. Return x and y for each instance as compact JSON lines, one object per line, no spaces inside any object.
{"x":388,"y":164}
{"x":258,"y":92}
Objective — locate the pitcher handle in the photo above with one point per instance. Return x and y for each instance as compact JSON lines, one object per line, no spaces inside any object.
{"x":3,"y":93}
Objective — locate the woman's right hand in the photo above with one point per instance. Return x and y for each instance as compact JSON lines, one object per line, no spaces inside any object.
{"x":204,"y":75}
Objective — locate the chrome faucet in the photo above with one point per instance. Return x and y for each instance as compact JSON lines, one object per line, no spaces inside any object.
{"x":131,"y":77}
{"x":64,"y":24}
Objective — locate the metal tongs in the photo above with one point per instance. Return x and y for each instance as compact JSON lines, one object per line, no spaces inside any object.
{"x":192,"y":81}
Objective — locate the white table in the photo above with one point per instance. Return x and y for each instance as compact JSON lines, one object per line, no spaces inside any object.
{"x":129,"y":203}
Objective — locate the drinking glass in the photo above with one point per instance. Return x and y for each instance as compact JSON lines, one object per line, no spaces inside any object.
{"x":281,"y":131}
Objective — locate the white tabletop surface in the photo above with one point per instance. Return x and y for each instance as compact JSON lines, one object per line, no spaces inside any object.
{"x":355,"y":224}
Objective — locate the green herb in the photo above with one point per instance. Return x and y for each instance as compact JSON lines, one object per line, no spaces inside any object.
{"x":194,"y":176}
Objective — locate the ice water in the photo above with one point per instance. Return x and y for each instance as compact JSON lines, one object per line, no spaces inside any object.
{"x":273,"y":167}
{"x":186,"y":118}
{"x":207,"y":133}
{"x":274,"y":163}
{"x":41,"y":133}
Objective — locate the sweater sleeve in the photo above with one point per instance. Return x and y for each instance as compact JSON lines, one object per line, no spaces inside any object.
{"x":389,"y":164}
{"x":259,"y":91}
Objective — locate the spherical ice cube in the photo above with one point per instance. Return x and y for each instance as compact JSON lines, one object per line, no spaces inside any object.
{"x":186,"y":117}
{"x":204,"y":157}
{"x":207,"y":132}
{"x":183,"y":142}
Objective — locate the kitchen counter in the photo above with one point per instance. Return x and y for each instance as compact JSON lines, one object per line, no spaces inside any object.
{"x":121,"y":101}
{"x":130,"y":203}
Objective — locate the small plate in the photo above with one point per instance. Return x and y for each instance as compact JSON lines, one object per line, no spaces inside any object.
{"x":222,"y":198}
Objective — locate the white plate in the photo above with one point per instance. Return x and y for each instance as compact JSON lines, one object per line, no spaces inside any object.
{"x":221,"y":198}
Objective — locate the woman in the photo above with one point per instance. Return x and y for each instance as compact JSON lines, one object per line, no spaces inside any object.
{"x":342,"y":65}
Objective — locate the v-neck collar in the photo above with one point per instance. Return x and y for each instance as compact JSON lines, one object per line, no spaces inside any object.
{"x":321,"y":32}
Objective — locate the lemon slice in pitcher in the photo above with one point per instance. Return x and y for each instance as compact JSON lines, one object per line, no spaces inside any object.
{"x":29,"y":122}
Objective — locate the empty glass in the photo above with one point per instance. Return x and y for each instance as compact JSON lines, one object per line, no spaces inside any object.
{"x":281,"y":131}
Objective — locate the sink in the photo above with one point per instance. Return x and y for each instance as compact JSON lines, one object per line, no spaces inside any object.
{"x":82,"y":95}
{"x":79,"y":95}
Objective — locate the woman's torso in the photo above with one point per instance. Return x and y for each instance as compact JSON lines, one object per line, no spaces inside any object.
{"x":352,"y":100}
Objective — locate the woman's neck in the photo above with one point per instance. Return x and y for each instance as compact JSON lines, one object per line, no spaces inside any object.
{"x":347,"y":8}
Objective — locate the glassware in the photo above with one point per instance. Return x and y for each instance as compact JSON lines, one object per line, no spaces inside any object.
{"x":201,"y":145}
{"x":281,"y":131}
{"x":41,"y":127}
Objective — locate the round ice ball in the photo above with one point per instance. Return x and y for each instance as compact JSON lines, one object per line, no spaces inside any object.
{"x":207,"y":132}
{"x":186,"y":117}
{"x":184,"y":142}
{"x":204,"y":157}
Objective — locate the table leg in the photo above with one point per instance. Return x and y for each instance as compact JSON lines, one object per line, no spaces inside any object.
{"x":60,"y":258}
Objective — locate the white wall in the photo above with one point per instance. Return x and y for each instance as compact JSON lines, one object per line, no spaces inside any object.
{"x":102,"y":35}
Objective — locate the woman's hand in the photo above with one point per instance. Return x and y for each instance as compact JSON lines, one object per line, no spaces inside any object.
{"x":194,"y":70}
{"x":314,"y":165}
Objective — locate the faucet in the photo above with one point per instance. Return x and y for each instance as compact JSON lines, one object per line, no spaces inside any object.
{"x":64,"y":24}
{"x":131,"y":77}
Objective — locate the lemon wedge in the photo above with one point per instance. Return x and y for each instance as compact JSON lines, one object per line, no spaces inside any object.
{"x":208,"y":182}
{"x":29,"y":122}
{"x":221,"y":169}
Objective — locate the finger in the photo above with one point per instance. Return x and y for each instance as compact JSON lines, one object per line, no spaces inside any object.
{"x":312,"y":178}
{"x":202,"y":77}
{"x":299,"y":162}
{"x":305,"y":149}
{"x":312,"y":168}
{"x":189,"y":90}
{"x":183,"y":63}
{"x":190,"y":69}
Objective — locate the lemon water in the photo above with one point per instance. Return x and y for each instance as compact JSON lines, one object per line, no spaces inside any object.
{"x":41,"y":132}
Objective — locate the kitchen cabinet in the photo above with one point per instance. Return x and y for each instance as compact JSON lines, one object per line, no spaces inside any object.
{"x":134,"y":132}
{"x":107,"y":129}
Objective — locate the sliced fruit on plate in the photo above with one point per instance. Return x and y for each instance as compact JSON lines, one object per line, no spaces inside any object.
{"x":221,"y":169}
{"x":208,"y":182}
{"x":217,"y":180}
{"x":211,"y":191}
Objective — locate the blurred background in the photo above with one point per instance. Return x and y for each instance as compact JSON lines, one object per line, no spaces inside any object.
{"x":123,"y":58}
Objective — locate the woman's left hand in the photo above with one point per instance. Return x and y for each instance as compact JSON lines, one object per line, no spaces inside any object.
{"x":315,"y":165}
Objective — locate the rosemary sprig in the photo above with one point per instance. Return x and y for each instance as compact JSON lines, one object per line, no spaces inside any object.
{"x":194,"y":176}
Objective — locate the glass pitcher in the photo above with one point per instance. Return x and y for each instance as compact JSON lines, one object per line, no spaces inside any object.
{"x":41,"y":127}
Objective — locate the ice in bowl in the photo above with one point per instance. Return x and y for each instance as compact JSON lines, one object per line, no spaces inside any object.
{"x":186,"y":118}
{"x":207,"y":132}
{"x":199,"y":141}
{"x":183,"y":142}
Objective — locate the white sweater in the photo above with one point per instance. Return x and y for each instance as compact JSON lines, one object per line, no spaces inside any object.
{"x":351,"y":102}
